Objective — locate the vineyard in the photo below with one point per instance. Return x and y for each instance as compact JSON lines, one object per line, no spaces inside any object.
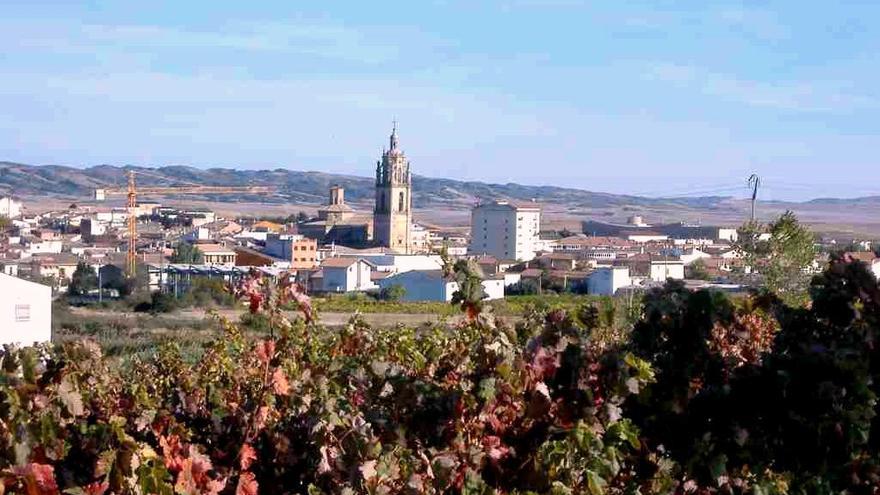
{"x":701,"y":395}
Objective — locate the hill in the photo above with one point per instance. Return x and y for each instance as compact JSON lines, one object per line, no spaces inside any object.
{"x":439,"y":201}
{"x":308,"y":187}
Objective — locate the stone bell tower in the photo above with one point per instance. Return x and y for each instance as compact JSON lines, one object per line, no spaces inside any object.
{"x":392,"y":217}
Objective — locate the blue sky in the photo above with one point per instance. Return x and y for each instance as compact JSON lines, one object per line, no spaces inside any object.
{"x":671,"y":98}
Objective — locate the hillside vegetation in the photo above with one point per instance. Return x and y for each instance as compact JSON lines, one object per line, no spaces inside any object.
{"x":307,"y":187}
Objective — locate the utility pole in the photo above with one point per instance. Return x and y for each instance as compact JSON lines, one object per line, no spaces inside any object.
{"x":754,"y":183}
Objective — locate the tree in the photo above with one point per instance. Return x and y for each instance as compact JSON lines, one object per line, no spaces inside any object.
{"x":393,"y":293}
{"x":783,"y":258}
{"x":791,"y":252}
{"x":82,"y":281}
{"x":698,"y":270}
{"x":301,"y":217}
{"x":188,"y":254}
{"x":4,"y":223}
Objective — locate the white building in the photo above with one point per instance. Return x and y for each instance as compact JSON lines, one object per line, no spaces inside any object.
{"x":25,"y":311}
{"x":693,"y":255}
{"x":346,"y":275}
{"x":661,"y":270}
{"x":431,"y":285}
{"x":606,"y":281}
{"x":9,"y":207}
{"x":506,"y":230}
{"x":728,"y":234}
{"x":399,"y":263}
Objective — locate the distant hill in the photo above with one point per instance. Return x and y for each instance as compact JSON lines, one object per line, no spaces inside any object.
{"x":311,"y":187}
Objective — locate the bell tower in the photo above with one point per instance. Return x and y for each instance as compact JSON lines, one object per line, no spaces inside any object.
{"x":392,"y":216}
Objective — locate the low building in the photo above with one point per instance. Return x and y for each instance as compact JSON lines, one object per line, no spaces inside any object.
{"x":56,"y":266}
{"x":606,"y":281}
{"x":267,"y":226}
{"x":9,"y":207}
{"x":300,"y":251}
{"x":346,"y":275}
{"x":25,"y":311}
{"x":215,"y":254}
{"x":693,"y":255}
{"x":662,"y":270}
{"x":432,"y":285}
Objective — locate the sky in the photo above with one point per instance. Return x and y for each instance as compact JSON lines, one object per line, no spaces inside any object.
{"x":654,"y":98}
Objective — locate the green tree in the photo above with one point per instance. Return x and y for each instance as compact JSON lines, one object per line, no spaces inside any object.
{"x":698,"y":270}
{"x":83,"y":280}
{"x":4,"y":223}
{"x":782,"y":259}
{"x":393,"y":293}
{"x":791,"y":252}
{"x":186,"y":253}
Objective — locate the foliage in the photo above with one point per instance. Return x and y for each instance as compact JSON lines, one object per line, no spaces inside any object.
{"x":762,"y":396}
{"x":791,"y":251}
{"x":784,"y":258}
{"x":526,"y":287}
{"x":393,"y":293}
{"x":705,"y":396}
{"x":187,"y":253}
{"x":5,"y":223}
{"x":83,"y":280}
{"x":697,"y":270}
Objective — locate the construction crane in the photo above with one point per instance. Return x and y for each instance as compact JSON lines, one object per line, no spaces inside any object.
{"x":132,"y":192}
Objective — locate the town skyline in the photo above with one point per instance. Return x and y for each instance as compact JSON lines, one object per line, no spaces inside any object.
{"x":638,"y":100}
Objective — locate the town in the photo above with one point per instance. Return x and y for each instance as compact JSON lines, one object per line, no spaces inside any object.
{"x":94,"y":254}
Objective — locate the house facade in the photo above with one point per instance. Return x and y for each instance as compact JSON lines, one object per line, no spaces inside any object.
{"x":25,"y":311}
{"x":346,"y":275}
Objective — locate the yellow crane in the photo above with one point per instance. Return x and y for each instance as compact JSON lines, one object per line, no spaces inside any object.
{"x":132,"y":192}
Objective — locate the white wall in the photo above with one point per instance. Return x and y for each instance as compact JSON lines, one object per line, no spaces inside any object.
{"x":607,"y":281}
{"x":355,"y":277}
{"x":505,"y":231}
{"x":421,"y":286}
{"x":660,"y":271}
{"x":9,"y":207}
{"x":729,"y":235}
{"x":53,"y":247}
{"x":25,"y":311}
{"x":400,"y":263}
{"x":494,"y":288}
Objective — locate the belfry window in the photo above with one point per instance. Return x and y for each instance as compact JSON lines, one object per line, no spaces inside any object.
{"x":400,"y":202}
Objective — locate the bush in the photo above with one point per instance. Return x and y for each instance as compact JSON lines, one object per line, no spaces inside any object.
{"x":393,"y":293}
{"x":708,"y":396}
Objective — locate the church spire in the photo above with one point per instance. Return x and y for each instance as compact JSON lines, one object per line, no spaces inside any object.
{"x":393,"y":136}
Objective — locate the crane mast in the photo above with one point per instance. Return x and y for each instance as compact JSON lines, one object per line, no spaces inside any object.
{"x":131,"y":191}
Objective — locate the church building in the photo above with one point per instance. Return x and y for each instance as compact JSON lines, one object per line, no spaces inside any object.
{"x":392,"y":216}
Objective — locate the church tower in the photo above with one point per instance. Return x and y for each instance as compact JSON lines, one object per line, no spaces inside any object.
{"x":392,"y":217}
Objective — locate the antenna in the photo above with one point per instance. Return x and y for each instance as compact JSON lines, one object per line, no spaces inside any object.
{"x":754,"y":183}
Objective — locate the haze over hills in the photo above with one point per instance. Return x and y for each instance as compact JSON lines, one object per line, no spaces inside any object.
{"x":434,"y":196}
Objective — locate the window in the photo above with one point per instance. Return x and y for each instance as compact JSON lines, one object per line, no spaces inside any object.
{"x":22,"y":313}
{"x":400,"y":202}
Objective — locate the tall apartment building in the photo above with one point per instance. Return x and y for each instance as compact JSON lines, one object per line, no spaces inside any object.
{"x":505,"y":230}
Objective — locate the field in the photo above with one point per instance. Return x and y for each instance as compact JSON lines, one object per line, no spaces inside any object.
{"x":124,"y":334}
